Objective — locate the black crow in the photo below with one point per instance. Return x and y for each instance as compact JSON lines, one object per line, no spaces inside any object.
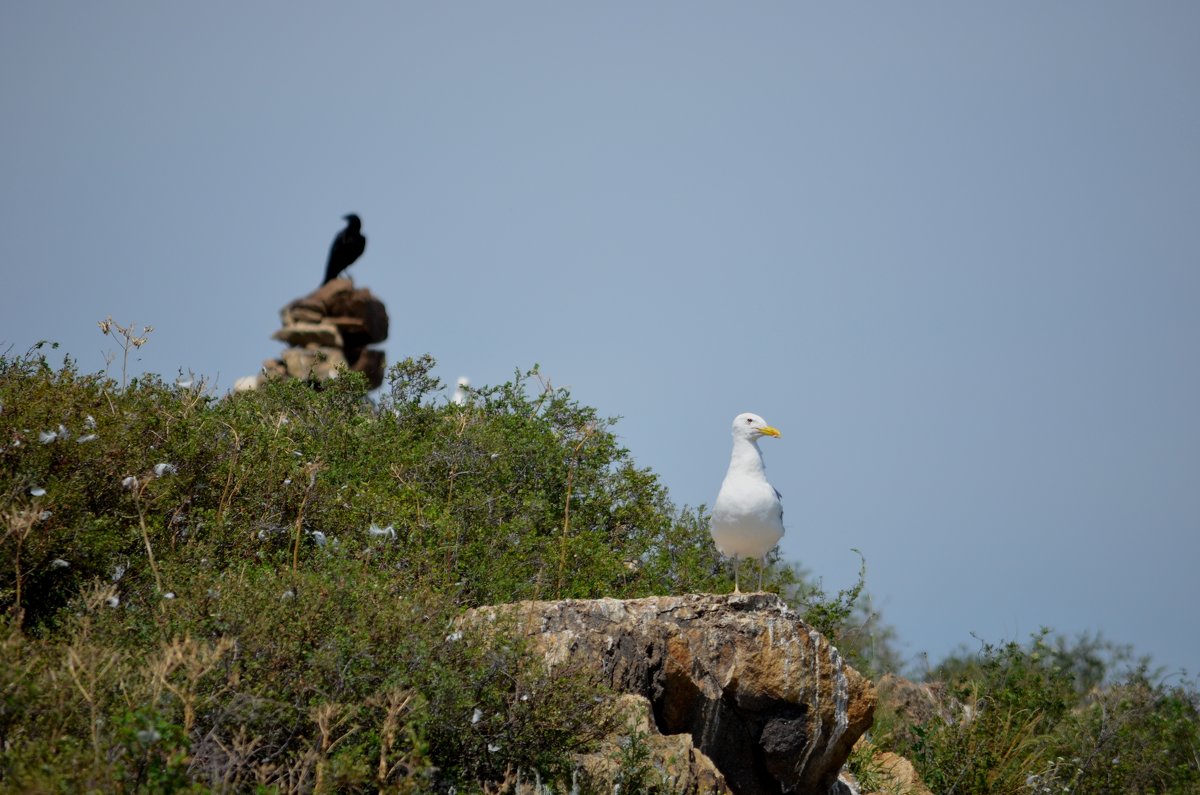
{"x":347,"y":247}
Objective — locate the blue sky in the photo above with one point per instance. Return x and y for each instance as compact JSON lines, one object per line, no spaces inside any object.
{"x":951,"y":250}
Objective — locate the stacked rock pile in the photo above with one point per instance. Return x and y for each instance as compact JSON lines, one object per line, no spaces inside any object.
{"x":330,"y":328}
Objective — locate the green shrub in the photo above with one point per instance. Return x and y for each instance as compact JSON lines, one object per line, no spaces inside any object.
{"x":260,"y":590}
{"x":330,"y":679}
{"x":1131,"y":736}
{"x":1052,"y":718}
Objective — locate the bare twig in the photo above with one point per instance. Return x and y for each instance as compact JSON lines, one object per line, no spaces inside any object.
{"x":310,"y":471}
{"x":587,"y":432}
{"x":138,"y":489}
{"x":127,"y":337}
{"x":17,"y":525}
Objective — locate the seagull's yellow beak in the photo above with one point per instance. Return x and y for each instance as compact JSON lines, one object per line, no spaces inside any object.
{"x":767,"y":430}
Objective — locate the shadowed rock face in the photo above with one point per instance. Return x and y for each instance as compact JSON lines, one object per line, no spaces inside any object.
{"x":688,"y":771}
{"x":765,"y":697}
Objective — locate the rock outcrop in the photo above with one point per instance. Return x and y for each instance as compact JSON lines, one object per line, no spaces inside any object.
{"x":762,"y":695}
{"x":913,"y":703}
{"x":900,"y":775}
{"x":331,"y":327}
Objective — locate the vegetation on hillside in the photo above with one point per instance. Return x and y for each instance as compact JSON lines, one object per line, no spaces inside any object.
{"x":259,"y":592}
{"x":261,"y":589}
{"x":1047,"y":717}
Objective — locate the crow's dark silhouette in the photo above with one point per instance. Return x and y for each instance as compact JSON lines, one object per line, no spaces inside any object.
{"x":347,"y":247}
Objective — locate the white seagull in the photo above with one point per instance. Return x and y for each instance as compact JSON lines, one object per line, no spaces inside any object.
{"x":747,"y":518}
{"x":460,"y":392}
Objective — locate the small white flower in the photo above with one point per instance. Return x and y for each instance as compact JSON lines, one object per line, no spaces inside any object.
{"x":38,"y":491}
{"x":377,"y":531}
{"x":129,"y":482}
{"x":118,"y":572}
{"x":493,"y":748}
{"x":454,"y":636}
{"x":46,"y":437}
{"x":63,"y":433}
{"x":147,"y":736}
{"x":169,"y":595}
{"x":476,"y":716}
{"x":16,"y":443}
{"x":59,"y":563}
{"x":91,"y":437}
{"x":113,"y":600}
{"x":288,"y":594}
{"x":319,"y":537}
{"x":524,"y":696}
{"x":89,"y":422}
{"x":287,"y":481}
{"x":164,"y":469}
{"x":44,"y":516}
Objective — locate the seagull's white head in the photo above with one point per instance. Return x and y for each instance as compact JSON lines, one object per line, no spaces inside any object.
{"x":751,"y":426}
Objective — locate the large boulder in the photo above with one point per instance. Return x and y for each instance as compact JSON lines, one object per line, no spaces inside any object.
{"x":761,"y":694}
